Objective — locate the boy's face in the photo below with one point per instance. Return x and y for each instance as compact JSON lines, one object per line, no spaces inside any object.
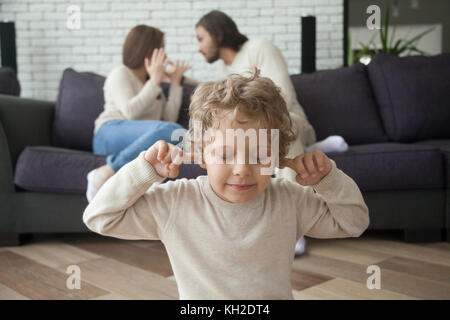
{"x":232,"y":175}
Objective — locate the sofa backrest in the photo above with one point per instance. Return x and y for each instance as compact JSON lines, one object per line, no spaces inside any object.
{"x":80,"y":101}
{"x":340,"y":102}
{"x":413,"y":94}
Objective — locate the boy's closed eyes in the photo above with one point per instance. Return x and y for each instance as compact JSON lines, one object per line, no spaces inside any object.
{"x":229,"y":155}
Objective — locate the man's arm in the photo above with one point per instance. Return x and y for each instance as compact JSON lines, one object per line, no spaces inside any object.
{"x":126,"y":208}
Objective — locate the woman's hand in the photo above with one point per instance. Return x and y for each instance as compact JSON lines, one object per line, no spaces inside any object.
{"x":155,"y":66}
{"x":176,"y":70}
{"x":165,"y":158}
{"x":311,"y":167}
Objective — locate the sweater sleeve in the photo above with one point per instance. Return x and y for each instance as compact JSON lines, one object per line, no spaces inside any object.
{"x":173,"y":104}
{"x":129,"y":205}
{"x":123,"y":94}
{"x":333,"y":208}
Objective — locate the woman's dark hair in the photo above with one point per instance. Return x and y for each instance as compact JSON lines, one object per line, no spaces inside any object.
{"x":223,"y":29}
{"x":139,"y":44}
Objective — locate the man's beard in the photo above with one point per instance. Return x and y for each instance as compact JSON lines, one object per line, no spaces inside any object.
{"x":215,"y":55}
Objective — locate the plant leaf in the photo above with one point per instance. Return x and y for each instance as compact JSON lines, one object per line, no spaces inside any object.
{"x":386,"y":29}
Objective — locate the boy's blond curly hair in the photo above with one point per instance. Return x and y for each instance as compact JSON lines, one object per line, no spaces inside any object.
{"x":256,"y":97}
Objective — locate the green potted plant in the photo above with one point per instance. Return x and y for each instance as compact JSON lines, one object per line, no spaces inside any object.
{"x":388,"y":45}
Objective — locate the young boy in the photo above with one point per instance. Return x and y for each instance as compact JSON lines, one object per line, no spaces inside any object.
{"x":231,"y":234}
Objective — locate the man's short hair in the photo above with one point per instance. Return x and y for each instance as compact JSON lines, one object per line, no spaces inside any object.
{"x":222,"y":29}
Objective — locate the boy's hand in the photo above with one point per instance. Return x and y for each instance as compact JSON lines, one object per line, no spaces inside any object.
{"x":165,"y":158}
{"x":311,"y":167}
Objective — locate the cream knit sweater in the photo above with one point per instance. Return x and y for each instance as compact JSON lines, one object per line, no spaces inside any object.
{"x":223,"y":250}
{"x":127,"y":98}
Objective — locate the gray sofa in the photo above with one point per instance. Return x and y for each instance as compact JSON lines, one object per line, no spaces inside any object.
{"x":394,"y":113}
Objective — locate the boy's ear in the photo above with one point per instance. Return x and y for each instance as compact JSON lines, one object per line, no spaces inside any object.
{"x":202,"y":165}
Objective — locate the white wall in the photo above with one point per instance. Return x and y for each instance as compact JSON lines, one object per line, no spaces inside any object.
{"x":45,"y":46}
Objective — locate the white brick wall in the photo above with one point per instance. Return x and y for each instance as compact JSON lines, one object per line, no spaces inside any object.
{"x":45,"y":46}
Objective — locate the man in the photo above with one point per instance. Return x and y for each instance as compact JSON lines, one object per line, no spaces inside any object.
{"x":219,"y":38}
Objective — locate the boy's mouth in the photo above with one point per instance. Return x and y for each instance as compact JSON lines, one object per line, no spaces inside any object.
{"x":241,"y":187}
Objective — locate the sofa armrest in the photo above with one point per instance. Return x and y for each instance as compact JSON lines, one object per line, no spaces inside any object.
{"x":6,"y":172}
{"x":24,"y":122}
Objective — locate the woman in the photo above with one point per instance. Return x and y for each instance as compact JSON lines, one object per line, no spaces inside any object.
{"x":136,"y":113}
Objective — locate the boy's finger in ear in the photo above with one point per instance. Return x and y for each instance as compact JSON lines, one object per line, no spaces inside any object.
{"x":301,"y":170}
{"x":162,"y":150}
{"x":172,"y":171}
{"x":309,"y":164}
{"x":319,"y":159}
{"x":167,"y":158}
{"x":300,"y":180}
{"x":177,"y":158}
{"x":167,"y":169}
{"x":290,"y":163}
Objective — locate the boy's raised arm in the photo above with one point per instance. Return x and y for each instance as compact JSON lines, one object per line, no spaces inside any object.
{"x":332,"y":208}
{"x":124,"y":209}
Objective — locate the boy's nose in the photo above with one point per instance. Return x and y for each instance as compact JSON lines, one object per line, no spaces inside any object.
{"x":242,"y":170}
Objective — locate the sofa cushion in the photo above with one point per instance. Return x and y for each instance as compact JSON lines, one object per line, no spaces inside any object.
{"x":413,"y":94}
{"x":80,"y":101}
{"x":340,"y":102}
{"x":49,"y":169}
{"x":443,"y":144}
{"x":8,"y":82}
{"x":392,"y":166}
{"x":188,"y":89}
{"x":444,"y":147}
{"x":58,"y":170}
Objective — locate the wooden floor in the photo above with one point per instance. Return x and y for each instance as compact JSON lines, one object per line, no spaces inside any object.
{"x":120,"y":269}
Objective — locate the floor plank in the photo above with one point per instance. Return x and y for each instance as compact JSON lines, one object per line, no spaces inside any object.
{"x":444,"y":246}
{"x":336,"y":249}
{"x":37,"y":281}
{"x":341,"y":289}
{"x":418,"y":268}
{"x":398,"y":248}
{"x":391,"y":280}
{"x":113,"y":268}
{"x":54,"y":254}
{"x":301,"y":279}
{"x":127,"y":280}
{"x":111,"y":296}
{"x":9,"y":294}
{"x":153,"y":258}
